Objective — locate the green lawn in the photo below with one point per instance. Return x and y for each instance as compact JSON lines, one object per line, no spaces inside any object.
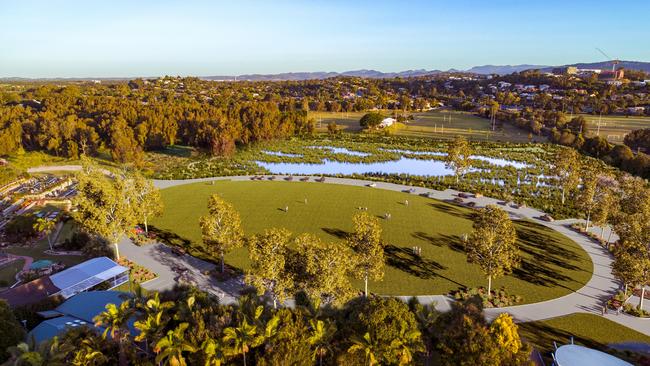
{"x":37,"y":250}
{"x":439,"y":124}
{"x":552,"y":265}
{"x":613,"y":127}
{"x":8,"y":272}
{"x":587,"y":329}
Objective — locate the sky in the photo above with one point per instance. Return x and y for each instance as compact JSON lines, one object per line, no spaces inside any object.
{"x":127,"y":38}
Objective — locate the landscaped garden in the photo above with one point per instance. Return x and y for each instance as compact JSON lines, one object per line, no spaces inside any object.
{"x":552,"y":265}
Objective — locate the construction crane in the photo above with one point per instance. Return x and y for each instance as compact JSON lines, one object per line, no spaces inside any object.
{"x":614,"y":61}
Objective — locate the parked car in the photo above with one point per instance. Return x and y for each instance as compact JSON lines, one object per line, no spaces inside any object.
{"x":178,"y":251}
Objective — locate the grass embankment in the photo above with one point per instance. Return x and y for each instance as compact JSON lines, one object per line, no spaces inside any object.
{"x":589,"y":330}
{"x":552,"y":265}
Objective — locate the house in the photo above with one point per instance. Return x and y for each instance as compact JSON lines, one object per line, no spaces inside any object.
{"x":387,"y":122}
{"x":78,"y":311}
{"x":69,"y":282}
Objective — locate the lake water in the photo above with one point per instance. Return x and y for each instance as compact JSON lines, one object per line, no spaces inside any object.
{"x":404,"y":165}
{"x":278,"y":153}
{"x":401,"y":166}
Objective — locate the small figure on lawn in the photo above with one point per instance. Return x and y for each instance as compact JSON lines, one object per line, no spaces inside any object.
{"x":406,"y":202}
{"x":286,"y":208}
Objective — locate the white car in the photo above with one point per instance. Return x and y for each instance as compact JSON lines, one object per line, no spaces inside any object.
{"x":373,"y":185}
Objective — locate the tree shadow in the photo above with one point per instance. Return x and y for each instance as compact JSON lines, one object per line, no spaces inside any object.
{"x":543,"y":251}
{"x":453,"y":242}
{"x":338,"y":233}
{"x":170,"y":238}
{"x":404,"y":259}
{"x":453,"y":209}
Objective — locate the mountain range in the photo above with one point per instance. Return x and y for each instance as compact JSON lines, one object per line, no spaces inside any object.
{"x":374,"y":74}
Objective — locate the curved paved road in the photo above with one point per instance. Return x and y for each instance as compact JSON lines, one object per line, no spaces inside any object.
{"x":588,"y":299}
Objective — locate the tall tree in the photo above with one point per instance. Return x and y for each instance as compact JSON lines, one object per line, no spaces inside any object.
{"x":45,"y":226}
{"x":492,"y":244}
{"x":221,"y":228}
{"x":325,"y":270}
{"x":586,"y":198}
{"x":148,"y":202}
{"x":366,"y":242}
{"x":566,"y":167}
{"x":458,"y":156}
{"x":104,"y":205}
{"x":11,"y":332}
{"x":268,"y":273}
{"x":606,"y":207}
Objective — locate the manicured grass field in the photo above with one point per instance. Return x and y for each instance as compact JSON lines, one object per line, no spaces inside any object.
{"x":37,"y":250}
{"x":8,"y":272}
{"x":587,"y":329}
{"x":440,"y":124}
{"x":552,"y":265}
{"x":614,"y":128}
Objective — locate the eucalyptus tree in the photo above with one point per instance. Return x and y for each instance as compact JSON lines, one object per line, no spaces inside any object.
{"x":458,"y":156}
{"x":492,"y":243}
{"x":368,"y":247}
{"x":221,"y":228}
{"x":566,"y":168}
{"x":268,"y":273}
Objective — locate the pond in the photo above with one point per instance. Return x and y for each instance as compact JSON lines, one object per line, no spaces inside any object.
{"x":278,"y":153}
{"x":340,"y":150}
{"x":401,"y":166}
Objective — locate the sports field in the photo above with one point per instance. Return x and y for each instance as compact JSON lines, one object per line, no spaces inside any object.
{"x":441,"y":124}
{"x":614,"y":127}
{"x":552,"y":265}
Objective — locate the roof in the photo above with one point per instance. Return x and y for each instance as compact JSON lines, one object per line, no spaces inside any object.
{"x":574,"y":355}
{"x":86,"y":305}
{"x":30,"y":292}
{"x":78,"y":311}
{"x":86,"y":275}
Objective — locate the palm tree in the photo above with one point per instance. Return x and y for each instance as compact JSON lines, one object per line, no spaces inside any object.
{"x":170,"y":348}
{"x":404,"y":344}
{"x":153,"y":322}
{"x":242,"y":338}
{"x":45,"y":226}
{"x":213,"y":352}
{"x":115,"y":320}
{"x":320,"y":337}
{"x":88,"y":354}
{"x":368,"y":346}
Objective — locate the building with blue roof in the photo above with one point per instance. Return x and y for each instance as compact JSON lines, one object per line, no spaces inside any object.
{"x":100,"y":272}
{"x":78,"y":311}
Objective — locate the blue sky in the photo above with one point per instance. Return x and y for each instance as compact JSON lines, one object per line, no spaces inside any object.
{"x":54,"y":38}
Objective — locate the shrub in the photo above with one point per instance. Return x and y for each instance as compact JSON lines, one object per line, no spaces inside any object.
{"x":499,"y":298}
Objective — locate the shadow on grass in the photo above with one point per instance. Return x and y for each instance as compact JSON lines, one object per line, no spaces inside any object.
{"x":338,"y":233}
{"x":543,"y":252}
{"x":170,"y":238}
{"x":453,"y":242}
{"x":451,"y":209}
{"x":404,"y":259}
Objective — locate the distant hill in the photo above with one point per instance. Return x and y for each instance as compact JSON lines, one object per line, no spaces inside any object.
{"x":606,"y":65}
{"x":374,"y":74}
{"x":371,"y":74}
{"x":503,"y":69}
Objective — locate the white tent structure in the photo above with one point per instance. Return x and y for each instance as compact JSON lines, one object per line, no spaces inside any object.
{"x":574,"y":355}
{"x":86,"y":275}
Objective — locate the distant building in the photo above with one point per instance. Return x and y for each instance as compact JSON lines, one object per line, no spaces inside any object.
{"x":567,"y":70}
{"x":608,"y":75}
{"x":78,"y":311}
{"x":69,"y":282}
{"x":387,"y":122}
